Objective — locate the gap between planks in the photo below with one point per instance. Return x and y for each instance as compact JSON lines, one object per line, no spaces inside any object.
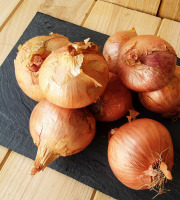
{"x":10,"y":15}
{"x":5,"y":158}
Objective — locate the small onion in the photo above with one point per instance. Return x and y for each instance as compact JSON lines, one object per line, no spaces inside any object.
{"x":59,"y":132}
{"x":140,"y":154}
{"x":115,"y":101}
{"x":75,"y":77}
{"x":30,"y":58}
{"x":146,"y":63}
{"x":113,"y":47}
{"x":165,"y":100}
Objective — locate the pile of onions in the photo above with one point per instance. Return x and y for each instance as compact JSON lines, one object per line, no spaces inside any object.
{"x":113,"y":46}
{"x":146,"y":63}
{"x":75,"y":76}
{"x":165,"y":100}
{"x":115,"y":101}
{"x":30,"y":58}
{"x":140,"y":154}
{"x":59,"y":132}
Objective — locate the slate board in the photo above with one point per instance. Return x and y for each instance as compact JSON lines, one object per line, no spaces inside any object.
{"x":91,"y":165}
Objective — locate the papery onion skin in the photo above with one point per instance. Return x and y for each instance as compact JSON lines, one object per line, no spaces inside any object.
{"x":146,"y":63}
{"x":115,"y":101}
{"x":136,"y":148}
{"x":26,"y":72}
{"x":113,"y":47}
{"x":74,"y":78}
{"x":59,"y":132}
{"x":165,"y":100}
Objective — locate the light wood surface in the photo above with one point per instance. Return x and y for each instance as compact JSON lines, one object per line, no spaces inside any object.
{"x":170,"y":31}
{"x":109,"y":18}
{"x":170,"y":9}
{"x":15,"y":180}
{"x":70,"y":10}
{"x":147,"y":6}
{"x":6,"y":8}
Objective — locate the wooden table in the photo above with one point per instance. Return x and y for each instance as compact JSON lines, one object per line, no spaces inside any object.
{"x":106,"y":16}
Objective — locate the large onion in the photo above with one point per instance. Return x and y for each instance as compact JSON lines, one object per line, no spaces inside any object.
{"x":59,"y":132}
{"x":140,"y":154}
{"x":115,"y":101}
{"x":165,"y":100}
{"x":113,"y":47}
{"x":30,"y":58}
{"x":74,"y":77}
{"x":146,"y":63}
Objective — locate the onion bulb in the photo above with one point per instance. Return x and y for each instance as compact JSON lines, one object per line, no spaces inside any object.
{"x":30,"y":58}
{"x":115,"y":101}
{"x":146,"y":63}
{"x":140,"y":154}
{"x":59,"y":132}
{"x":74,"y":77}
{"x":113,"y":47}
{"x":165,"y":100}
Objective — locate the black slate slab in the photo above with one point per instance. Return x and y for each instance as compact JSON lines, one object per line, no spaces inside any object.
{"x":91,"y":165}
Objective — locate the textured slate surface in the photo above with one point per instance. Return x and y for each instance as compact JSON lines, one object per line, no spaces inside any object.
{"x":91,"y":165}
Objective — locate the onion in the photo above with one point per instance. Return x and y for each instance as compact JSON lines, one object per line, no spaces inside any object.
{"x":140,"y":154}
{"x":146,"y":63}
{"x":75,"y":77}
{"x":59,"y":132}
{"x":30,"y":58}
{"x":115,"y":101}
{"x":113,"y":46}
{"x":165,"y":100}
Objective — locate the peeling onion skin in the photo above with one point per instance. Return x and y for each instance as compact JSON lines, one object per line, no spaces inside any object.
{"x":165,"y":100}
{"x":59,"y":132}
{"x":114,"y":103}
{"x":75,"y":77}
{"x":146,"y":63}
{"x":135,"y":148}
{"x":26,"y":72}
{"x":113,"y":47}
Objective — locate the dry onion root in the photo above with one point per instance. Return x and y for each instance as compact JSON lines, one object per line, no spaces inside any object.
{"x":146,"y":63}
{"x":165,"y":100}
{"x":113,"y":46}
{"x":30,"y":58}
{"x":75,"y":76}
{"x":140,"y":154}
{"x":115,"y":101}
{"x":59,"y":132}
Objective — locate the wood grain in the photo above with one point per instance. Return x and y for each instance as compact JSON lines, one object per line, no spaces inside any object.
{"x":109,"y":18}
{"x":147,"y":6}
{"x":101,"y":196}
{"x":3,"y":152}
{"x":6,"y":8}
{"x":70,"y":10}
{"x":170,"y":31}
{"x":17,"y":183}
{"x":170,"y":9}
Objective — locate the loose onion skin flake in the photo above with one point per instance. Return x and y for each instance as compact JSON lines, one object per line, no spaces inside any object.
{"x":140,"y":154}
{"x":113,"y":46}
{"x":165,"y":100}
{"x":59,"y":132}
{"x":74,"y":77}
{"x":146,"y":63}
{"x":115,"y":101}
{"x":30,"y":58}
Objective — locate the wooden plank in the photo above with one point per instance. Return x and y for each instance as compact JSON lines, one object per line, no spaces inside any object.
{"x":170,"y":9}
{"x":69,"y":10}
{"x":6,"y":8}
{"x":17,"y":183}
{"x":101,"y":196}
{"x":3,"y":152}
{"x":147,"y":6}
{"x":109,"y":18}
{"x":170,"y":31}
